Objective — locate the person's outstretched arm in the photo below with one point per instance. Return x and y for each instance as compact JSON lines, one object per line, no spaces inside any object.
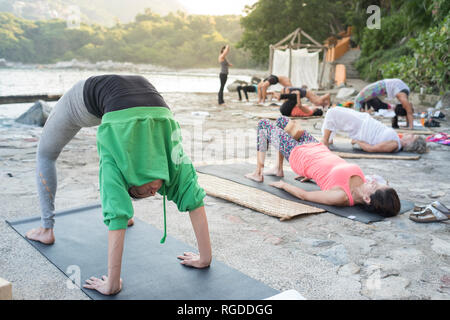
{"x":386,"y":146}
{"x":200,"y":226}
{"x":329,"y":197}
{"x":111,"y":284}
{"x":223,"y":55}
{"x":326,"y":137}
{"x":305,"y":109}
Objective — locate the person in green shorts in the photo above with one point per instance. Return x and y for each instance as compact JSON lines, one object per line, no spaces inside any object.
{"x":140,"y":152}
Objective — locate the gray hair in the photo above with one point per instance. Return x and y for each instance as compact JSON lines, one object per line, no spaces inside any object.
{"x":419,"y":145}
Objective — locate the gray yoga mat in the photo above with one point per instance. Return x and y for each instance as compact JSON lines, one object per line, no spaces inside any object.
{"x":236,"y":172}
{"x":347,"y":147}
{"x":150,"y":270}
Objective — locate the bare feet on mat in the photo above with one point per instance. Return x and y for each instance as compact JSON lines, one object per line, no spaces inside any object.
{"x":255,"y":176}
{"x":45,"y":236}
{"x":275,"y":171}
{"x":131,"y":222}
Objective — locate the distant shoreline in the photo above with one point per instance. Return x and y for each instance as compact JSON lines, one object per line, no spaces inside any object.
{"x":122,"y":66}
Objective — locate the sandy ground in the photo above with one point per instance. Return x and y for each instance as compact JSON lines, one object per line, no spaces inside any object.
{"x":322,"y":256}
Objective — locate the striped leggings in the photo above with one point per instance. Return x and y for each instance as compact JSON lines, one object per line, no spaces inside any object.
{"x":281,"y":140}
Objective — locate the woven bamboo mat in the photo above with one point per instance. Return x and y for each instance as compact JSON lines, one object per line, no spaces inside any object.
{"x":253,"y":198}
{"x":416,"y":131}
{"x":349,"y":155}
{"x":276,"y":115}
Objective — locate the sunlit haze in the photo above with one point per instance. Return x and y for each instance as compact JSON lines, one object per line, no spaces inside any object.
{"x":215,"y":7}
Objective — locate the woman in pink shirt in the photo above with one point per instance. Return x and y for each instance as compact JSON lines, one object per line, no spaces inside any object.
{"x":341,"y":183}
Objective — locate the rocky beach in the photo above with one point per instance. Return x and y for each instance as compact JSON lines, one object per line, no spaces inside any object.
{"x":322,"y":256}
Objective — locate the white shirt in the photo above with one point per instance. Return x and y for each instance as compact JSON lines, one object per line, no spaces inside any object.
{"x":359,"y":126}
{"x":393,"y":87}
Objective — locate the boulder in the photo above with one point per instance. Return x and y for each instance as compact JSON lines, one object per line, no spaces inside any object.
{"x":37,"y":115}
{"x":345,"y":93}
{"x":444,"y":102}
{"x":232,"y":87}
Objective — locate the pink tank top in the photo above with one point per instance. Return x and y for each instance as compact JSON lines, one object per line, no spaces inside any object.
{"x":315,"y":161}
{"x":297,"y":112}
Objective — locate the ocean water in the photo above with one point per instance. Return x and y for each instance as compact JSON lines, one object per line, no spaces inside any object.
{"x":57,"y":79}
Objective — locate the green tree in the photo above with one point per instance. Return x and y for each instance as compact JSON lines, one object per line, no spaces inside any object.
{"x":269,"y":21}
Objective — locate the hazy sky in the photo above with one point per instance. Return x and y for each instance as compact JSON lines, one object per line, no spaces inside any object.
{"x":216,"y":7}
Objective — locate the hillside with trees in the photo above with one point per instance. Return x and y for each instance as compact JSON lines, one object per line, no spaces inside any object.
{"x":412,"y":43}
{"x":175,"y":40}
{"x":104,"y":12}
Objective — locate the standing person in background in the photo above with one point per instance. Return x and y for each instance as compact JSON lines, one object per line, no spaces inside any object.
{"x":224,"y":64}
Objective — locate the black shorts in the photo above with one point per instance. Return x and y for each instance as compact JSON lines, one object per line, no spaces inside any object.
{"x":272,"y":79}
{"x":302,"y":91}
{"x":405,"y":91}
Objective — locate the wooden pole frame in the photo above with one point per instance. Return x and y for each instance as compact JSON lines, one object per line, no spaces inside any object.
{"x":293,"y":41}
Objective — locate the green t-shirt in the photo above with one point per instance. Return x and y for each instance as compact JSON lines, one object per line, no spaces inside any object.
{"x":136,"y":146}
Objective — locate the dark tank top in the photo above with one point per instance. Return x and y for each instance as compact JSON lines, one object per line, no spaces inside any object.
{"x":109,"y":93}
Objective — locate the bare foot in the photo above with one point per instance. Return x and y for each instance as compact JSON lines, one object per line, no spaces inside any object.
{"x":275,"y":171}
{"x":130,"y":222}
{"x":255,"y":176}
{"x":45,"y":236}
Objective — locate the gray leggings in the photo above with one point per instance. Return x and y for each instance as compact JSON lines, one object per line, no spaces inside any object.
{"x":67,"y":118}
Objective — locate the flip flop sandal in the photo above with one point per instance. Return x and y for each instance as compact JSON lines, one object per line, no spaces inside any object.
{"x":437,"y":204}
{"x":441,"y":207}
{"x":429,"y":214}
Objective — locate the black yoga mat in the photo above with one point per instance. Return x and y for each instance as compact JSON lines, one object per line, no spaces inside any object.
{"x":150,"y":270}
{"x":236,"y":172}
{"x":348,"y":148}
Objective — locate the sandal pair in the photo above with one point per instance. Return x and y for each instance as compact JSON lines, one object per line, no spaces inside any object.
{"x":434,"y":212}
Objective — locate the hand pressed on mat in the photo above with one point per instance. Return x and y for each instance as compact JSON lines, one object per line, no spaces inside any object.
{"x":111,"y":284}
{"x":200,"y":226}
{"x":103,"y":285}
{"x":191,"y":259}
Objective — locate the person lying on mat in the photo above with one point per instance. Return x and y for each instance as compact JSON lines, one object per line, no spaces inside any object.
{"x":323,"y":101}
{"x":341,"y":183}
{"x":293,"y":106}
{"x":140,"y":151}
{"x":370,"y":134}
{"x":392,"y":88}
{"x":270,"y":81}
